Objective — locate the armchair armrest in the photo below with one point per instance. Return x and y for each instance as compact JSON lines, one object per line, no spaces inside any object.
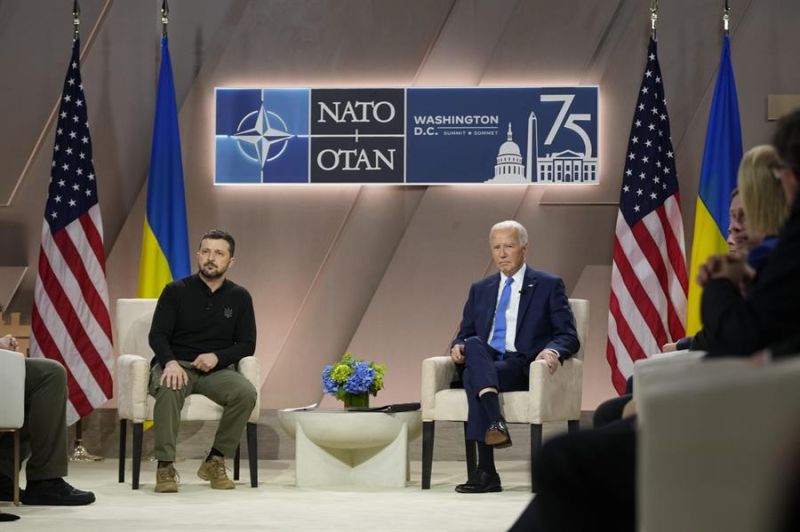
{"x":133,"y":374}
{"x":558,"y":396}
{"x":250,"y":367}
{"x":12,"y":389}
{"x":661,"y":366}
{"x":437,"y":372}
{"x":653,"y":379}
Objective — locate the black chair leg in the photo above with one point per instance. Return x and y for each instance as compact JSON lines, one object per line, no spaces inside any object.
{"x":427,"y":453}
{"x":15,"y":495}
{"x":471,"y":448}
{"x":136,"y":458}
{"x":123,"y":436}
{"x":252,"y":453}
{"x":536,"y":446}
{"x":236,"y":458}
{"x":573,"y":425}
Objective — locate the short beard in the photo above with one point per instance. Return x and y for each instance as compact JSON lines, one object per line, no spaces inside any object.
{"x":213,"y":276}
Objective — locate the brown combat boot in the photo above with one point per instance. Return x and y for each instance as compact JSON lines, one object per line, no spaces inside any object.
{"x":213,"y":470}
{"x":167,"y":479}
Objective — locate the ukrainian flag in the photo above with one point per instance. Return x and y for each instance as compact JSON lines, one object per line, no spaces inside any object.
{"x":165,"y":243}
{"x":723,"y":152}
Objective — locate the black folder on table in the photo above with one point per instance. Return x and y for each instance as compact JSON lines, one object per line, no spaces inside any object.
{"x":389,"y":409}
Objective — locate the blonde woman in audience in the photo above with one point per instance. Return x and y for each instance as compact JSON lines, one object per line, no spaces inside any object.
{"x":763,"y":200}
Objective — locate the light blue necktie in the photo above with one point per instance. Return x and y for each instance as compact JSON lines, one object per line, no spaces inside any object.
{"x":498,"y":340}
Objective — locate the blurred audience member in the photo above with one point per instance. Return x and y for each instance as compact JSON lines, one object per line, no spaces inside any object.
{"x":764,"y":203}
{"x":587,"y":480}
{"x":739,"y":242}
{"x":43,"y":437}
{"x":738,"y":235}
{"x":766,"y":317}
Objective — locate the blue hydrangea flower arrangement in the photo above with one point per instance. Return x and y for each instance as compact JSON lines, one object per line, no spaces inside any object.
{"x":351,"y":377}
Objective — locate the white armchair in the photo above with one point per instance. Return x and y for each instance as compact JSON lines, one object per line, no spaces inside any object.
{"x":12,"y":397}
{"x":714,"y":445}
{"x":549,"y":398}
{"x":134,"y":404}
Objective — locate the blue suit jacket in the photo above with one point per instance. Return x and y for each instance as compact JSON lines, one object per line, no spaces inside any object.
{"x":544,"y":318}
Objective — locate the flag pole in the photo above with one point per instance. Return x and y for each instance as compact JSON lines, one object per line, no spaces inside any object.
{"x":79,"y":452}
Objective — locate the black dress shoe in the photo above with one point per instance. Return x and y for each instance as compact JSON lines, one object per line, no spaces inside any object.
{"x":7,"y":488}
{"x":55,"y":492}
{"x":497,"y":435}
{"x":481,"y":482}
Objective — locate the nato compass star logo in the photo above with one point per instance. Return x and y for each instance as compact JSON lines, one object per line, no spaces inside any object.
{"x":261,"y":136}
{"x":268,"y":137}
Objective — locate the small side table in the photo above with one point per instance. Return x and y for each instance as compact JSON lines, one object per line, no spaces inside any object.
{"x":340,"y":447}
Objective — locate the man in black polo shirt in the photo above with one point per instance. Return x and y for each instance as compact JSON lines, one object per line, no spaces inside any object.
{"x":202,"y":326}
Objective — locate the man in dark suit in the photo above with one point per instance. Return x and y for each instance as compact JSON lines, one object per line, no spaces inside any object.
{"x":510,"y":319}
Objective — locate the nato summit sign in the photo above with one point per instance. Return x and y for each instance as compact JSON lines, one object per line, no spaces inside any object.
{"x":521,"y":135}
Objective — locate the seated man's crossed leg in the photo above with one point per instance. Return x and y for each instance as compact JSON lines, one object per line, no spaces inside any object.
{"x":487,"y":372}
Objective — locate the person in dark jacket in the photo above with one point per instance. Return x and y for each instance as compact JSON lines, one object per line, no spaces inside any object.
{"x":202,"y":326}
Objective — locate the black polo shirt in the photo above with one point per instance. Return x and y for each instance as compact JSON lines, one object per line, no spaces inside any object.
{"x":190,"y":320}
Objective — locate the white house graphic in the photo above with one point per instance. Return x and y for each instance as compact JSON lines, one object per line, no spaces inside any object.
{"x":560,"y":167}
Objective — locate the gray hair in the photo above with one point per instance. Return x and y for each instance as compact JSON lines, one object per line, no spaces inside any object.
{"x":522,"y":233}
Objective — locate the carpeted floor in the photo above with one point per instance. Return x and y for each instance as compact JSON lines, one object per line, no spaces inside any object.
{"x":277,"y":504}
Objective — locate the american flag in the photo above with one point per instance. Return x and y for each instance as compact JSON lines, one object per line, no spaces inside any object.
{"x":70,"y":319}
{"x":647,"y":306}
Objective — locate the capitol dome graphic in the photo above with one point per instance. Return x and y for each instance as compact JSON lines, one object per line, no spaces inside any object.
{"x":509,"y":167}
{"x":565,"y":166}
